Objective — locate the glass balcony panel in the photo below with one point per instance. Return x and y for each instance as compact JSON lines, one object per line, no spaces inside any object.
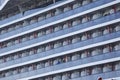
{"x":84,"y":72}
{"x":50,"y":30}
{"x":65,"y":26}
{"x":49,"y":15}
{"x":75,"y":57}
{"x":107,"y":12}
{"x":85,"y":19}
{"x":31,"y":52}
{"x":57,"y":77}
{"x":107,"y":68}
{"x":106,"y":49}
{"x":26,"y":23}
{"x":67,"y":8}
{"x":1,"y":60}
{"x":112,"y":11}
{"x":75,"y":39}
{"x":96,"y":15}
{"x":117,"y":47}
{"x":8,"y":58}
{"x":33,"y":21}
{"x":57,"y":61}
{"x":30,"y":68}
{"x":94,"y":0}
{"x":64,"y":77}
{"x":75,"y":74}
{"x":96,"y":33}
{"x":75,"y":22}
{"x":16,"y":56}
{"x":96,"y":52}
{"x":76,"y":5}
{"x":58,"y":28}
{"x":15,"y":72}
{"x":41,"y":17}
{"x":48,"y":78}
{"x":24,"y":39}
{"x":107,"y":30}
{"x":18,"y":26}
{"x":41,"y":33}
{"x":85,"y":2}
{"x":57,"y":44}
{"x":40,"y":65}
{"x":25,"y":54}
{"x":66,"y":42}
{"x":96,"y":70}
{"x":84,"y":54}
{"x":11,"y":28}
{"x":117,"y":66}
{"x":118,"y":8}
{"x":3,"y":31}
{"x":84,"y":37}
{"x":58,"y":11}
{"x":117,"y":28}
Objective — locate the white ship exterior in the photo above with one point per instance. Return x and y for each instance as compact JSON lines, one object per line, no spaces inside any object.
{"x":59,"y":39}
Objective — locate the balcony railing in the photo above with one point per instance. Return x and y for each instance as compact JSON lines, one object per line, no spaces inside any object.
{"x":71,"y":64}
{"x":66,"y":31}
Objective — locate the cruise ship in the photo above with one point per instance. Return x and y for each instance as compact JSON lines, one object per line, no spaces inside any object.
{"x":59,"y":39}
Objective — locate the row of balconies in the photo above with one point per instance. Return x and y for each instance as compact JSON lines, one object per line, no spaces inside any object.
{"x":66,"y":31}
{"x":83,"y":72}
{"x":58,"y":11}
{"x":66,"y":41}
{"x":73,"y":74}
{"x":15,"y":16}
{"x":41,"y":17}
{"x":53,"y":13}
{"x":26,"y":7}
{"x":64,"y":59}
{"x":83,"y":36}
{"x":48,"y":31}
